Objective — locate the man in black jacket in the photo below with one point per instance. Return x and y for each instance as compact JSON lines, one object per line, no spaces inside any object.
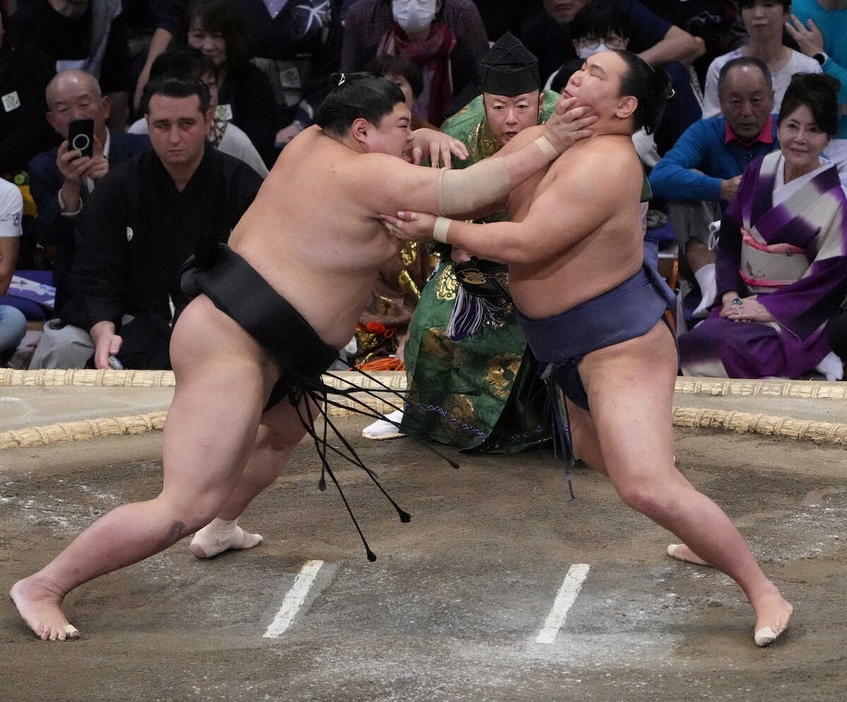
{"x":61,"y":178}
{"x":141,"y":223}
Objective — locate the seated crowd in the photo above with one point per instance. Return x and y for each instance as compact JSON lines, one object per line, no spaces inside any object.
{"x":186,"y":104}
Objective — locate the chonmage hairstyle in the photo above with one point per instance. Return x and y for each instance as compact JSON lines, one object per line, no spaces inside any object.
{"x":650,"y":86}
{"x":356,"y":95}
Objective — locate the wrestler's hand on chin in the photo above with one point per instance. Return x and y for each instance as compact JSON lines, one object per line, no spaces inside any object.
{"x":412,"y":226}
{"x":438,"y":146}
{"x":568,"y":124}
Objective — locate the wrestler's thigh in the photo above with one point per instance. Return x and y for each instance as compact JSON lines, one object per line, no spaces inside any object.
{"x":222,"y":378}
{"x":282,"y":426}
{"x":630,"y":391}
{"x":584,"y":434}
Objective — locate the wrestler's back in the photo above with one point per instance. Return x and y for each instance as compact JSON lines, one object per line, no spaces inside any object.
{"x":311,"y":237}
{"x":605,"y":256}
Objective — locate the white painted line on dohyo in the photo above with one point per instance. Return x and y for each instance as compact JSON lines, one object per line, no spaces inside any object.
{"x":294,"y":599}
{"x":564,"y":601}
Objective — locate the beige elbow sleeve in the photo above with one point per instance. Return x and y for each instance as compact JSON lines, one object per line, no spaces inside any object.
{"x":485,"y":183}
{"x":465,"y":191}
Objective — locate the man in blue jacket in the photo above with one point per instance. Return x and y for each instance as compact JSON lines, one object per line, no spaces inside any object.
{"x":700,"y":174}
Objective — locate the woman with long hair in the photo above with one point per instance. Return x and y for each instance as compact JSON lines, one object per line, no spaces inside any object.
{"x":245,"y":95}
{"x":781,"y":267}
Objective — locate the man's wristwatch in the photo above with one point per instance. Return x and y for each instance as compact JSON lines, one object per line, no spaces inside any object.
{"x":820,"y":57}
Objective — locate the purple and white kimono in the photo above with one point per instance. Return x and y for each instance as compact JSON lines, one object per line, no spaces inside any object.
{"x":786,"y":243}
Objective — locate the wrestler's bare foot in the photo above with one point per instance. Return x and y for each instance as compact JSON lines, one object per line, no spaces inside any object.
{"x":40,"y":605}
{"x":221,"y":535}
{"x":682,"y":553}
{"x":773,"y":613}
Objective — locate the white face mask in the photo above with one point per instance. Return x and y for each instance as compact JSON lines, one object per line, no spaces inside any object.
{"x":584,"y":51}
{"x":413,"y":16}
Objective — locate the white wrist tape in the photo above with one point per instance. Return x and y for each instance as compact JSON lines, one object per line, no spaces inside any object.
{"x":439,"y":230}
{"x":547,"y":148}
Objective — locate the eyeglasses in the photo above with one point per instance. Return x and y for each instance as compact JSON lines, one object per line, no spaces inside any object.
{"x":612,"y":42}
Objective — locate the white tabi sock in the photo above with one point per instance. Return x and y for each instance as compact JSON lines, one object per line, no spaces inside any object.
{"x":831,"y":366}
{"x":708,"y":289}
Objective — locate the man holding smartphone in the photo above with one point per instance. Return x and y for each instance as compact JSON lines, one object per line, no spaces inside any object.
{"x":61,"y":178}
{"x":140,"y":224}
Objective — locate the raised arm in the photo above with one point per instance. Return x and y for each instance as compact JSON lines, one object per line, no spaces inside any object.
{"x":471,"y":190}
{"x":557,"y":219}
{"x":677,"y":45}
{"x":811,"y":41}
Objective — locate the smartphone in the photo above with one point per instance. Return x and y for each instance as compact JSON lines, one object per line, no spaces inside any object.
{"x":81,"y":136}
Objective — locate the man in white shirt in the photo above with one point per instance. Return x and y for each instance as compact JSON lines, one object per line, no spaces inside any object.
{"x":12,"y":321}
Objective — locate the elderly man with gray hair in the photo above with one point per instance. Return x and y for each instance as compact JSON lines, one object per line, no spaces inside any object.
{"x":700,"y":174}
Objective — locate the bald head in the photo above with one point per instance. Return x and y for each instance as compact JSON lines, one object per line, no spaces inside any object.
{"x":745,"y":92}
{"x":71,"y":80}
{"x":75,"y":95}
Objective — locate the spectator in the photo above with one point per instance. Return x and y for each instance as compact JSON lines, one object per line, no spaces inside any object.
{"x":477,"y":372}
{"x":711,"y":20}
{"x":141,"y":224}
{"x":163,"y":20}
{"x":245,"y":95}
{"x":368,"y":21}
{"x":782,"y":253}
{"x":87,"y":35}
{"x":549,"y":35}
{"x":23,"y":77}
{"x":12,"y":320}
{"x":61,"y":179}
{"x":186,"y":63}
{"x":406,"y":75}
{"x":764,"y":21}
{"x":419,"y":32}
{"x":701,"y":174}
{"x":298,"y":45}
{"x":597,"y":27}
{"x":819,"y":28}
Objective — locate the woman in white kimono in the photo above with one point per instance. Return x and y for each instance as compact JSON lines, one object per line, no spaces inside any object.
{"x":782,"y":255}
